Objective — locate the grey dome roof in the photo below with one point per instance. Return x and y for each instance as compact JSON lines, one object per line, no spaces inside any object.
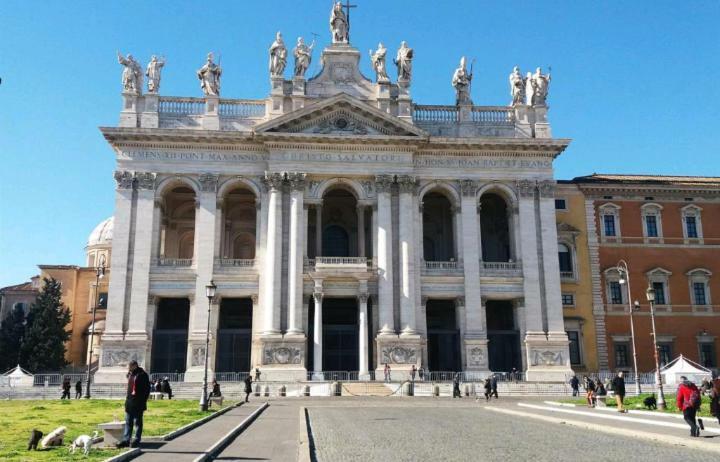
{"x":102,"y":234}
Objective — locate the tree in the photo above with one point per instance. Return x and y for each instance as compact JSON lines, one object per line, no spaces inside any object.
{"x":11,"y":333}
{"x":43,"y":347}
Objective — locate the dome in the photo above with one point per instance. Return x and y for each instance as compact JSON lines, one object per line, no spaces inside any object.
{"x":102,"y":234}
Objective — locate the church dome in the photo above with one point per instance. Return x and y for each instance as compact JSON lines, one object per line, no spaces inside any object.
{"x":102,"y":234}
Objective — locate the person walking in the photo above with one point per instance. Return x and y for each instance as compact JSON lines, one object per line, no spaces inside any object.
{"x":138,"y":391}
{"x":248,"y":387}
{"x":456,"y":386}
{"x":488,"y":389}
{"x":166,"y":388}
{"x":78,"y":389}
{"x":65,"y":388}
{"x":600,"y":391}
{"x":386,"y":371}
{"x":715,"y":399}
{"x":493,"y":386}
{"x":257,"y":374}
{"x":689,"y":400}
{"x":589,"y":390}
{"x":618,"y":385}
{"x":413,"y":371}
{"x":421,"y":373}
{"x":575,"y":385}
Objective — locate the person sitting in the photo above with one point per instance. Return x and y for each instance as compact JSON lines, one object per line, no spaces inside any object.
{"x":215,"y":389}
{"x":165,"y":387}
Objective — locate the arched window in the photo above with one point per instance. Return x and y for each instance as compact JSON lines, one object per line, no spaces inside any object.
{"x":335,"y":242}
{"x":494,"y":228}
{"x":244,"y":247}
{"x":565,"y":256}
{"x":438,"y":230}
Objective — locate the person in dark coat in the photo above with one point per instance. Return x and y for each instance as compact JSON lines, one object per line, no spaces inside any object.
{"x":165,"y":387}
{"x":248,"y":387}
{"x":456,"y":386}
{"x":65,"y":388}
{"x":413,"y":371}
{"x":575,"y":385}
{"x":618,"y":385}
{"x":493,"y":387}
{"x":138,"y":391}
{"x":257,"y":374}
{"x":488,"y":389}
{"x":78,"y":389}
{"x":589,"y":385}
{"x":715,"y":399}
{"x":215,"y":389}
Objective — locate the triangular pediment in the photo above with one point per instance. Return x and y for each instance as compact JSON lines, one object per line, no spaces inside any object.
{"x":340,"y":115}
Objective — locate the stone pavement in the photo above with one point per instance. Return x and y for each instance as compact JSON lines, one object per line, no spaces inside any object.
{"x":194,"y":443}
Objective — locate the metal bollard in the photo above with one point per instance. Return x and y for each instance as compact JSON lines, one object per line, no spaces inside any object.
{"x":257,"y":389}
{"x":436,"y":390}
{"x":467,"y":390}
{"x":282,"y":391}
{"x":408,"y":389}
{"x":267,"y":390}
{"x":306,"y":390}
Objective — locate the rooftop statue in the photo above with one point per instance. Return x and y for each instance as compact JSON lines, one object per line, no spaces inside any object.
{"x":303,"y":57}
{"x":132,"y":74}
{"x":517,"y":87}
{"x":540,"y":84}
{"x":461,"y":80}
{"x":378,"y":63}
{"x":278,"y":56}
{"x":529,"y":90}
{"x":153,"y":71}
{"x":339,"y":26}
{"x":209,"y":76}
{"x":403,"y":61}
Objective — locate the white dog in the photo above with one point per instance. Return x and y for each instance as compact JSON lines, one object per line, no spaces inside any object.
{"x":85,"y":442}
{"x":54,"y":438}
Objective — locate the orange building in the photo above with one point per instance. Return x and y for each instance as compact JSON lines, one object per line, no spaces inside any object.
{"x":667,"y":230}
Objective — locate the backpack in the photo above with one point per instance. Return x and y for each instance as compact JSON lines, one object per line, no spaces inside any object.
{"x":695,"y":400}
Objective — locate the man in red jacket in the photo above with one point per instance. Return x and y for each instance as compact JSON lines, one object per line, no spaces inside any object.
{"x":688,"y":400}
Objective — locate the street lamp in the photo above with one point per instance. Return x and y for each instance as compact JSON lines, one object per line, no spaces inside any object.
{"x":622,"y":268}
{"x":99,"y":274}
{"x":210,"y":294}
{"x":650,"y":294}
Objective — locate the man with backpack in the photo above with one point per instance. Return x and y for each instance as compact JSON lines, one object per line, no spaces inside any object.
{"x":689,"y":400}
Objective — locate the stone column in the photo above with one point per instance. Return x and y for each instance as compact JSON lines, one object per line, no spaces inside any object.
{"x":408,"y":270}
{"x":361,"y":229}
{"x":295,"y":257}
{"x":318,"y":333}
{"x":551,"y":264}
{"x":531,"y":273}
{"x":318,"y":230}
{"x":273,"y":255}
{"x":363,"y":337}
{"x":142,"y":251}
{"x":374,"y":230}
{"x":384,"y":254}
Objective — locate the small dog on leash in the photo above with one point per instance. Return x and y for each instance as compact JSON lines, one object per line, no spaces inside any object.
{"x":650,"y":403}
{"x":85,"y":442}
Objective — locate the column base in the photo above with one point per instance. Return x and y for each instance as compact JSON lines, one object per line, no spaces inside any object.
{"x":282,"y":358}
{"x":115,"y":356}
{"x":548,"y":357}
{"x":401,"y":353}
{"x":476,"y":354}
{"x":196,"y":374}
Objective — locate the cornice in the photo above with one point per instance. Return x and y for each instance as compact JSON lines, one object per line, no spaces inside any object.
{"x":619,"y":189}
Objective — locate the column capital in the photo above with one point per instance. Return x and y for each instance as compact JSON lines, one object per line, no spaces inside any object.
{"x":318,"y":296}
{"x":124,"y":179}
{"x":208,"y":182}
{"x":273,"y":181}
{"x":254,"y":298}
{"x":363,"y":297}
{"x":152,"y":299}
{"x":423,"y":300}
{"x":459,"y":301}
{"x":526,"y":188}
{"x":145,"y":180}
{"x":383,"y":183}
{"x":407,"y":183}
{"x":468,"y":187}
{"x":547,"y":188}
{"x":296,"y":180}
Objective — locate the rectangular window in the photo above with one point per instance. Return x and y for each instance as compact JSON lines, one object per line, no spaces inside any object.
{"x":102,"y":301}
{"x":609,"y":221}
{"x":699,"y":293}
{"x":568,"y":299}
{"x":574,"y":337}
{"x":616,"y":293}
{"x":659,"y":293}
{"x":651,"y":225}
{"x":560,"y":204}
{"x":691,"y":227}
{"x":707,"y":354}
{"x":664,"y":353}
{"x":621,"y":354}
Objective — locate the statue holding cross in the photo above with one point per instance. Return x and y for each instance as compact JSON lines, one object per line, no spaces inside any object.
{"x":340,"y":22}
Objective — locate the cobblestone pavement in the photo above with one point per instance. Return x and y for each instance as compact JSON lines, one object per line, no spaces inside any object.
{"x":466,"y":432}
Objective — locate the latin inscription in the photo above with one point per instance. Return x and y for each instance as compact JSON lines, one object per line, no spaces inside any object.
{"x":192,"y":156}
{"x":470,"y":162}
{"x":343,"y":157}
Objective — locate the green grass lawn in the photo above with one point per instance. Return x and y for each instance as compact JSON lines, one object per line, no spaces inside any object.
{"x":636,"y":402}
{"x":18,"y":418}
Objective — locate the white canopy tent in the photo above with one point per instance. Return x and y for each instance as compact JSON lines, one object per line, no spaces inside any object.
{"x":18,"y":377}
{"x":682,"y":366}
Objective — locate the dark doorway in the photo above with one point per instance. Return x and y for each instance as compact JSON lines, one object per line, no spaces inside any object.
{"x":340,"y":334}
{"x":234,"y":338}
{"x":503,"y":336}
{"x":494,"y":228}
{"x":443,"y":336}
{"x":169,"y":344}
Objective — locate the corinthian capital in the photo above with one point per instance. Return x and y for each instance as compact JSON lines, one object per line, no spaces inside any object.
{"x":297,"y":181}
{"x":208,"y":182}
{"x":407,"y":183}
{"x":383,"y":183}
{"x":547,"y":188}
{"x":526,"y":188}
{"x":124,"y":179}
{"x":273,"y":181}
{"x":468,"y":187}
{"x":145,"y":180}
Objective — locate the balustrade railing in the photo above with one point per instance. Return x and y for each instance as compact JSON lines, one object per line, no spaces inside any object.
{"x":231,"y":376}
{"x":171,"y":376}
{"x":181,"y":106}
{"x":501,"y":267}
{"x":340,"y":261}
{"x":496,"y":115}
{"x":241,"y":108}
{"x":567,"y":274}
{"x":435,"y":113}
{"x":442,"y":265}
{"x":236,"y":262}
{"x":178,"y":262}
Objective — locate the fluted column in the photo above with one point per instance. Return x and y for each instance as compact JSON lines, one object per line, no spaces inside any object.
{"x":295,"y":257}
{"x":273,"y":254}
{"x":361,"y":229}
{"x":318,"y":332}
{"x":362,"y":335}
{"x":474,"y":327}
{"x":384,"y":254}
{"x":408,"y":270}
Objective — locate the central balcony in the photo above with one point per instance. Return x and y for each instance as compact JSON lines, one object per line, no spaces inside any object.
{"x":441,"y":267}
{"x":501,"y":269}
{"x":338,"y":264}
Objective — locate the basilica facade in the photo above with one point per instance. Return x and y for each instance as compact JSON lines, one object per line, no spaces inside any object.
{"x":345,"y":225}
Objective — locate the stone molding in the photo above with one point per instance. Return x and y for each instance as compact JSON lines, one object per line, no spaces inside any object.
{"x":407,"y":183}
{"x":383,"y":183}
{"x":208,"y":182}
{"x":146,"y":180}
{"x":547,"y":188}
{"x":296,"y":180}
{"x":273,"y":181}
{"x":124,"y":179}
{"x":526,"y":188}
{"x":468,"y":187}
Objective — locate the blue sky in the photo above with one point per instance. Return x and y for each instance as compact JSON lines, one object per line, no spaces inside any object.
{"x":635,"y":86}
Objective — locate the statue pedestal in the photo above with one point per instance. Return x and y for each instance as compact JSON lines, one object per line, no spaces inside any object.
{"x":548,"y":357}
{"x":149,"y":117}
{"x":116,"y":353}
{"x":400,"y":353}
{"x":298,"y":93}
{"x":465,"y":112}
{"x":211,"y":118}
{"x":476,"y":355}
{"x":542,"y":126}
{"x":129,"y":113}
{"x":524,"y":119}
{"x":383,"y":96}
{"x":277,"y":95}
{"x":404,"y":100}
{"x":282,"y":358}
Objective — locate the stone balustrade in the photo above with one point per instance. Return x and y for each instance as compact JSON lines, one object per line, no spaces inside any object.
{"x":235,"y":262}
{"x":500,"y":268}
{"x":181,"y":106}
{"x":435,"y":113}
{"x":442,"y":266}
{"x":176,"y":262}
{"x":336,"y":263}
{"x":494,"y":115}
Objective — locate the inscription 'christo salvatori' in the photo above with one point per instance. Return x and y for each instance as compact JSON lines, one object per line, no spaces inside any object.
{"x":194,"y":156}
{"x":344,"y":157}
{"x":462,"y":162}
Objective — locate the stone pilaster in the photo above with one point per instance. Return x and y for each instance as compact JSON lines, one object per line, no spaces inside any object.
{"x":317,"y":330}
{"x":597,"y":300}
{"x":295,"y":257}
{"x":361,"y":229}
{"x":408,"y":271}
{"x":273,"y":255}
{"x":363,"y":336}
{"x":384,"y":255}
{"x":474,"y":328}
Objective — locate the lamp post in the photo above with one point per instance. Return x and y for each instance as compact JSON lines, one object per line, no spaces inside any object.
{"x":99,"y":274}
{"x":210,"y":294}
{"x":650,"y":294}
{"x":622,"y":268}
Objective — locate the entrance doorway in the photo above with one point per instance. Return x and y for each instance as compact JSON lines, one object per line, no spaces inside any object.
{"x":443,"y":342}
{"x":340,"y":334}
{"x":169,"y":343}
{"x":503,"y":336}
{"x":234,"y":337}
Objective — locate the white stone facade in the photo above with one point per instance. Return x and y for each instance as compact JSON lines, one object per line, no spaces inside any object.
{"x":337,"y":131}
